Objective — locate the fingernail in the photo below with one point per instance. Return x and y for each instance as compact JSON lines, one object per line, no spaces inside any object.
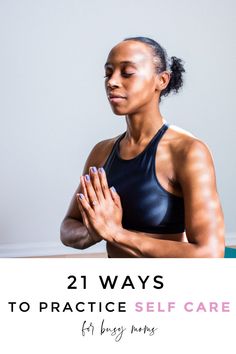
{"x":94,"y":169}
{"x":113,"y":189}
{"x":101,"y":169}
{"x":87,"y":177}
{"x":81,"y":196}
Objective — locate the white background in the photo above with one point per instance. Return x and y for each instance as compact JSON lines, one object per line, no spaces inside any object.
{"x":178,"y":331}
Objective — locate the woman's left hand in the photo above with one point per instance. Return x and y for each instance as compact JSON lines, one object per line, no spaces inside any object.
{"x":101,"y":204}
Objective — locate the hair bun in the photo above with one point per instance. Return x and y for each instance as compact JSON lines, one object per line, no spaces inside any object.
{"x":176,"y":68}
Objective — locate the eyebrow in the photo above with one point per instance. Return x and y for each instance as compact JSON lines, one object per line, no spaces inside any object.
{"x":121,"y":62}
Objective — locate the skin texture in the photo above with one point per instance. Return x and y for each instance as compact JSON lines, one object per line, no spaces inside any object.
{"x":184,"y":167}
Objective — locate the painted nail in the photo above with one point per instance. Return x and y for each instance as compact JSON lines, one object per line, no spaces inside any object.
{"x":81,"y":196}
{"x":87,"y":177}
{"x":94,"y":169}
{"x":101,"y":170}
{"x":113,"y":189}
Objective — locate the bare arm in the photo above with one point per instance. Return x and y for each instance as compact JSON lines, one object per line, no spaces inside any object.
{"x":203,"y":214}
{"x":73,"y":232}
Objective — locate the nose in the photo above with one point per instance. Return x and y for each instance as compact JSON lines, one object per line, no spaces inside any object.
{"x":113,"y":81}
{"x":110,"y":84}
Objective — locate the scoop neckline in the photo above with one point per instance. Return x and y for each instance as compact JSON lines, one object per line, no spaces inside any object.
{"x":142,"y":152}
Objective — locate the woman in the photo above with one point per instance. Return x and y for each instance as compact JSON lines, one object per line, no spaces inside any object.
{"x":156,"y":194}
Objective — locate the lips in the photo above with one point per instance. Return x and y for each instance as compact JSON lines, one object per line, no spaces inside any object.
{"x":116,"y":100}
{"x":113,"y":95}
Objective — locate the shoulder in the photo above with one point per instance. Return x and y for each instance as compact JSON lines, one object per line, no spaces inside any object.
{"x":186,"y":147}
{"x":191,"y":156}
{"x":100,"y":152}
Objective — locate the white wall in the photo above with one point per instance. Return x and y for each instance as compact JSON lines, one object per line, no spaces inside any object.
{"x":54,"y":108}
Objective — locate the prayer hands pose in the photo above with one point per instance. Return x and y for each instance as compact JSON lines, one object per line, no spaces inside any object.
{"x":100,"y":206}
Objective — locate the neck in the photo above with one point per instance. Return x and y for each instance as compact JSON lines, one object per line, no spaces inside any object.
{"x":143,"y":125}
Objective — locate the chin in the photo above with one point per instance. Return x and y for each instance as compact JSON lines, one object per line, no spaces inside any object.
{"x":119,"y":112}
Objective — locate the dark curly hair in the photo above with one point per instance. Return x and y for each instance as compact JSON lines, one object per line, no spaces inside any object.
{"x":173,"y":64}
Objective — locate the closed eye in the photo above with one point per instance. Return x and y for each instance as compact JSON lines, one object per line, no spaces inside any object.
{"x":124,"y":74}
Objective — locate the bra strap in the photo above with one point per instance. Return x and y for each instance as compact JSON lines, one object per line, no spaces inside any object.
{"x":157,"y":137}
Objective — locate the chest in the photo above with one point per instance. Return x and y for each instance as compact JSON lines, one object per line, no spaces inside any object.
{"x":146,"y":205}
{"x":165,"y":168}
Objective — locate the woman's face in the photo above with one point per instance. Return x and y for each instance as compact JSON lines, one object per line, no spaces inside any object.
{"x":130,"y":72}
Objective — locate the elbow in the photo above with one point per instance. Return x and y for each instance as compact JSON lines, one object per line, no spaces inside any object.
{"x":217,"y":247}
{"x":70,"y":236}
{"x":63,"y":238}
{"x":216,"y":250}
{"x":64,"y":241}
{"x":219,"y":252}
{"x":216,"y":253}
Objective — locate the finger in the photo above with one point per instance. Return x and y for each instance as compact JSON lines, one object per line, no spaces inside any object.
{"x":103,"y":182}
{"x":95,"y":180}
{"x":84,"y":218}
{"x":83,"y":214}
{"x":115,"y":196}
{"x":85,"y":205}
{"x":84,"y":190}
{"x":92,"y":196}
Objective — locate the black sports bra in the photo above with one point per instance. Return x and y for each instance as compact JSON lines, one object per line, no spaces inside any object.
{"x":147,"y":206}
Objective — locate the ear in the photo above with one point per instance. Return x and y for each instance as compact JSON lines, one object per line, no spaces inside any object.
{"x":162,"y":80}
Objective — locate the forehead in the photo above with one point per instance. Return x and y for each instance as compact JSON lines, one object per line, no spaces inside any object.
{"x":130,"y":51}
